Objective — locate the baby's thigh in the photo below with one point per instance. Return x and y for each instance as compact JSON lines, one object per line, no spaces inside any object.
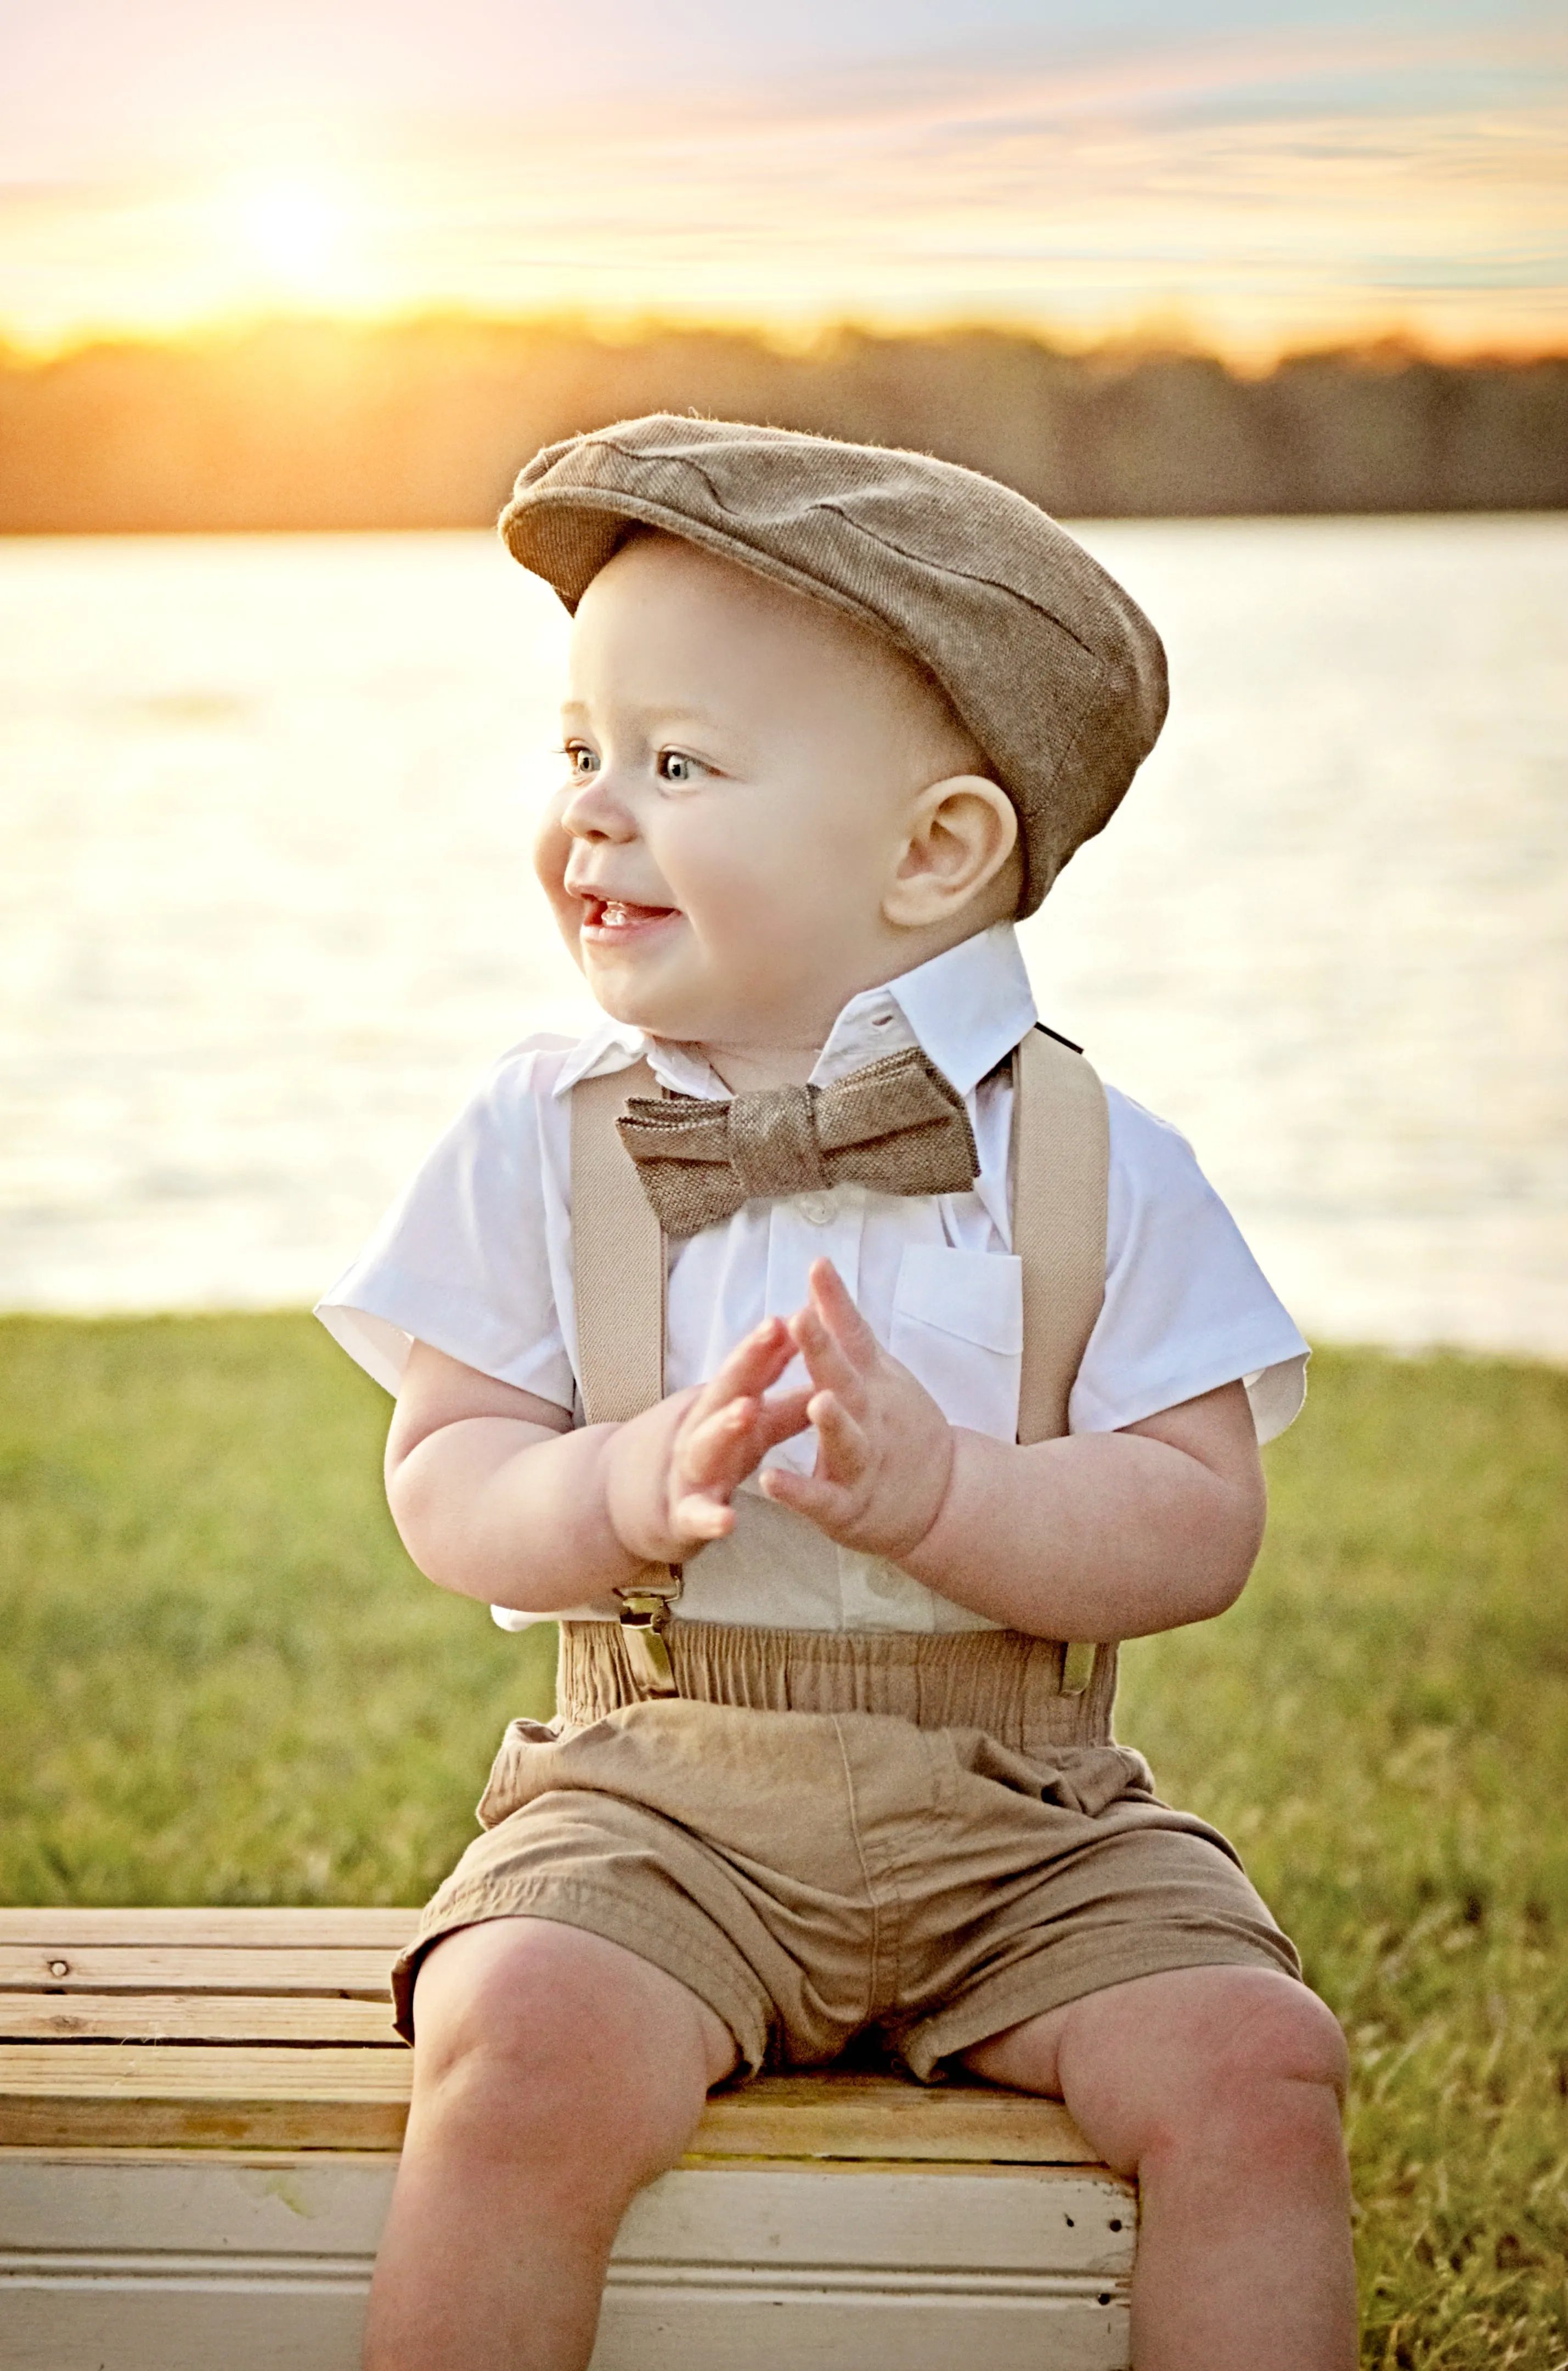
{"x":530,"y":2027}
{"x":1164,"y":2059}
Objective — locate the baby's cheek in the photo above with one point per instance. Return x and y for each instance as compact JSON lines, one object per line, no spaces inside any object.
{"x":552,"y":845}
{"x":551,"y":848}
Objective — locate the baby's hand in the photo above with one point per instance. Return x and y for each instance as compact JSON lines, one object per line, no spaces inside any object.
{"x":885,"y":1449}
{"x":670,"y":1473}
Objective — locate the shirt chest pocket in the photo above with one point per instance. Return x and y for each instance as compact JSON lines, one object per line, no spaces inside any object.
{"x":958,"y":1328}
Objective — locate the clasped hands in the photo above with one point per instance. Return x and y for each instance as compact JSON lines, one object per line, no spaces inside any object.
{"x":884,"y":1456}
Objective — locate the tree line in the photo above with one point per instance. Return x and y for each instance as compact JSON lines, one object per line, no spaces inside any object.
{"x":423,"y":424}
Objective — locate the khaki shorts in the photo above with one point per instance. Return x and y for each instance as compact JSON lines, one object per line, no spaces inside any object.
{"x":812,"y":1875}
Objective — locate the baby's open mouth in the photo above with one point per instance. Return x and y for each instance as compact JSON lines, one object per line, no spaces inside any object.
{"x":618,"y":917}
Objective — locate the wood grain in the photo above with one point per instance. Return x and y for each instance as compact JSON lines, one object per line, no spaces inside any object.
{"x":881,"y":2116}
{"x":746,"y":2212}
{"x":187,"y":1968}
{"x":194,"y":2016}
{"x":94,"y":2094}
{"x":375,"y":1930}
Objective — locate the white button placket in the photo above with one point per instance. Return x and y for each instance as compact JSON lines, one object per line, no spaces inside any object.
{"x":795,"y":1239}
{"x":873,"y":1595}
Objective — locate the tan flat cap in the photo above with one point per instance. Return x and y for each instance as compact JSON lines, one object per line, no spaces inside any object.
{"x":1058,"y":674}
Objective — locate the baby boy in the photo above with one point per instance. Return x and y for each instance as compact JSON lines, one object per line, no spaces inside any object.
{"x":711,"y":1339}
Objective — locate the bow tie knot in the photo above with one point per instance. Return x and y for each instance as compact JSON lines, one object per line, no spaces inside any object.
{"x":897,"y":1127}
{"x":772,"y":1143}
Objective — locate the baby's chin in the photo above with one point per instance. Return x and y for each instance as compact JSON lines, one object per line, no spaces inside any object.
{"x":674,"y":1018}
{"x":630,"y":994}
{"x":676,"y":987}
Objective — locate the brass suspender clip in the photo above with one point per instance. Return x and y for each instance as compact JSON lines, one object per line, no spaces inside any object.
{"x":1078,"y":1666}
{"x":645,"y":1616}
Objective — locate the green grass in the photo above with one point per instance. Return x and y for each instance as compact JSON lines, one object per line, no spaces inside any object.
{"x":223,"y":1683}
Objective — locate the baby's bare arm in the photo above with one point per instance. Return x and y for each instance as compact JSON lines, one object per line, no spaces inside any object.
{"x":496,"y":1497}
{"x":1102,"y":1536}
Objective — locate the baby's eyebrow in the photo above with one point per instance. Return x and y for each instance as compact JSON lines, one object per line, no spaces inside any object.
{"x":652,"y":719}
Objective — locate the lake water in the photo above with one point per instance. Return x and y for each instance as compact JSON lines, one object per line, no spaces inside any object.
{"x":265,"y":908}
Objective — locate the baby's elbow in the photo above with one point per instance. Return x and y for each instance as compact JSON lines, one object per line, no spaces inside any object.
{"x":1233,"y":1543}
{"x":414,"y":1510}
{"x":433,"y":1521}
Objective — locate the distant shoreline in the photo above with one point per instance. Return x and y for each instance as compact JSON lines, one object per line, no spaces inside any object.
{"x":316,"y":426}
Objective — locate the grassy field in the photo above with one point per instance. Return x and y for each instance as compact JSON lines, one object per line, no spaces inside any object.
{"x":223,"y":1683}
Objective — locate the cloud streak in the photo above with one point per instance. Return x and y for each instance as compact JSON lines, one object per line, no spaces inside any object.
{"x":1268,"y":189}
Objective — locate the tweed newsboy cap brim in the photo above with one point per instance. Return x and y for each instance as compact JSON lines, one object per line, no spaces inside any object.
{"x":1055,"y":671}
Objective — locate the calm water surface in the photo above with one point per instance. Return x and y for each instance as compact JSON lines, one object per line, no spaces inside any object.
{"x":265,"y":908}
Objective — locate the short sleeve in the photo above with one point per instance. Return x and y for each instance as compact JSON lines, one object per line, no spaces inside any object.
{"x":470,"y":1258}
{"x":1187,"y":1307}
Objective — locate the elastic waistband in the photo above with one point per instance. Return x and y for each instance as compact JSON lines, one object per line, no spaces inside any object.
{"x":997,"y":1681}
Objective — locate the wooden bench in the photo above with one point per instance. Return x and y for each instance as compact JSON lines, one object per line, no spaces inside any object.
{"x":200,"y":2114}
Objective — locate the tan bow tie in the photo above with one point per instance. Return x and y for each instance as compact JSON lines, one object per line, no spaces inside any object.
{"x":897,"y":1126}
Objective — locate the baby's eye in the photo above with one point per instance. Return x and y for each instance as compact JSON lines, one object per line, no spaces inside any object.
{"x":674,"y":765}
{"x":582,"y":760}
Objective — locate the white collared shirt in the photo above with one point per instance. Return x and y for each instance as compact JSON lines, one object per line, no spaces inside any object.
{"x":475,"y":1257}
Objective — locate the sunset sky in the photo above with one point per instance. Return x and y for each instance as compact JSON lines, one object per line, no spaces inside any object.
{"x":1257,"y":176}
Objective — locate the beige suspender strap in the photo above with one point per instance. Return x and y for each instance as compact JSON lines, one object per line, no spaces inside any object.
{"x":1061,"y":1166}
{"x":618,"y":1280}
{"x":617,"y":1256}
{"x":1060,"y":1174}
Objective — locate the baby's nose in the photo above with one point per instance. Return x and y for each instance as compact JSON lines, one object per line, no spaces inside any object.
{"x":595,"y":811}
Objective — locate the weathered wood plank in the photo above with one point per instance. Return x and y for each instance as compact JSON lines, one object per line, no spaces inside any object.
{"x":284,"y":2205}
{"x":193,"y":1968}
{"x":184,"y":2016}
{"x":319,"y":2326}
{"x":261,"y":2263}
{"x":129,"y":2096}
{"x":126,"y":2095}
{"x":386,"y":1930}
{"x":648,"y":2326}
{"x":881,"y":2116}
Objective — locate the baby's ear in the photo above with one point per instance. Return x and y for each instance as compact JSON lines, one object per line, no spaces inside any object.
{"x":962,"y":844}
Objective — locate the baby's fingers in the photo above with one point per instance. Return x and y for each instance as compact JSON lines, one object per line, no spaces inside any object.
{"x":719,"y":1451}
{"x":751,"y":1367}
{"x":829,"y":1365}
{"x":832,"y":1299}
{"x":707,"y":1446}
{"x":780,"y":1418}
{"x":823,"y":1503}
{"x":710,"y":1459}
{"x":844,"y":1452}
{"x":717,"y":1454}
{"x":699,"y":1518}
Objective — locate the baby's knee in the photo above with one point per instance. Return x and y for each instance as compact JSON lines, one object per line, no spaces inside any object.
{"x":1263,"y":2075}
{"x":1240,"y":2067}
{"x":538,"y":2038}
{"x":1280,"y":2032}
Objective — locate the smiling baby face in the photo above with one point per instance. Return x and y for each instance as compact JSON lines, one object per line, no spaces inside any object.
{"x":766,"y":809}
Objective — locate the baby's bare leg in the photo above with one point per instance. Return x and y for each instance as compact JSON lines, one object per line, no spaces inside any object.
{"x":555,"y":2074}
{"x":1219,"y":2088}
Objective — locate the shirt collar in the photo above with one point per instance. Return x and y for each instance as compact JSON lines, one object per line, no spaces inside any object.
{"x":616,"y":1045}
{"x":966,"y":1009}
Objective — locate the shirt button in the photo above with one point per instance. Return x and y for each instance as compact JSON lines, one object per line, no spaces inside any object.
{"x":816,"y":1209}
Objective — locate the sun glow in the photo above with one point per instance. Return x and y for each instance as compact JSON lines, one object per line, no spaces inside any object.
{"x":297,"y":231}
{"x":1233,"y":190}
